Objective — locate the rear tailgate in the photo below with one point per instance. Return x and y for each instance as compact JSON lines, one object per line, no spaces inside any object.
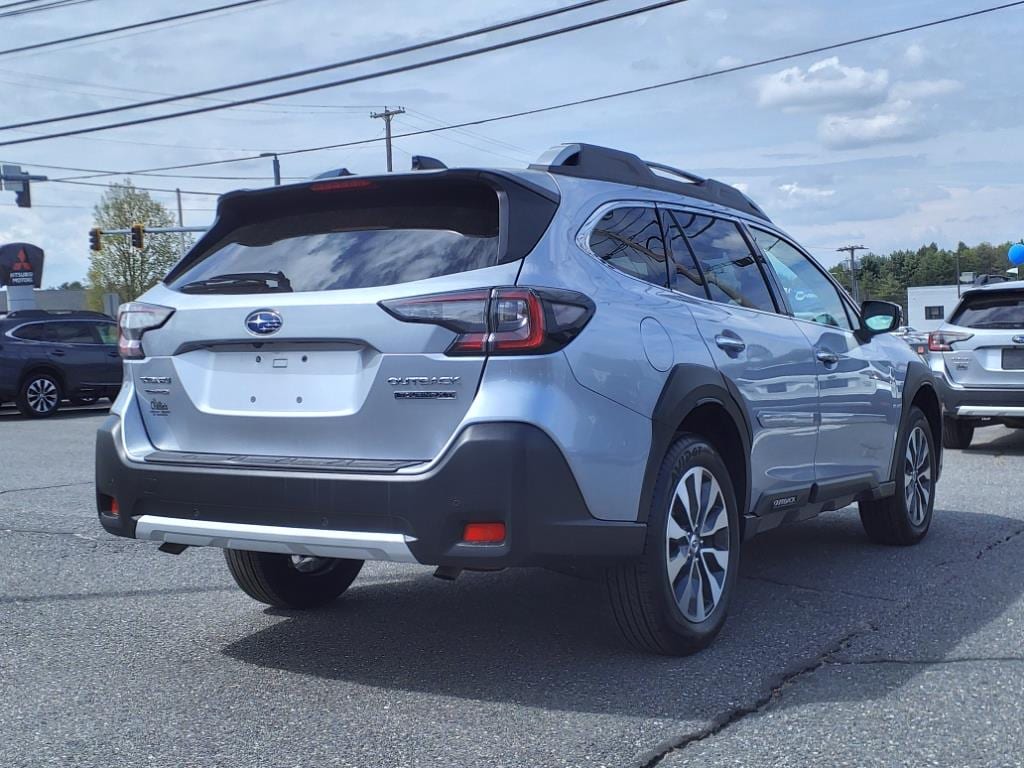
{"x":305,"y":367}
{"x":993,"y":355}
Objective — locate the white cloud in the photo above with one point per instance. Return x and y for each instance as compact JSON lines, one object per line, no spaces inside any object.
{"x":914,"y":55}
{"x":797,"y":193}
{"x":728,"y":61}
{"x":897,"y":122}
{"x":826,"y":83}
{"x":717,"y":15}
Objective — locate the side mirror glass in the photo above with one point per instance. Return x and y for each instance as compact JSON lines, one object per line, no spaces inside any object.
{"x":881,"y":316}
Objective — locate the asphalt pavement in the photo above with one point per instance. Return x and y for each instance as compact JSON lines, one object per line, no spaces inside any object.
{"x":837,"y":651}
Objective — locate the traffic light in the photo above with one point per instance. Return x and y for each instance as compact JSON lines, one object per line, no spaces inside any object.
{"x":138,"y":236}
{"x":14,"y":179}
{"x":94,"y":240}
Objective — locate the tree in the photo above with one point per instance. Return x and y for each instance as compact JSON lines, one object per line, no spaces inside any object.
{"x":74,"y":285}
{"x":119,"y":268}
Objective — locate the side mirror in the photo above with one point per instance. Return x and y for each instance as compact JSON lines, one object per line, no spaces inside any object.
{"x":880,"y":317}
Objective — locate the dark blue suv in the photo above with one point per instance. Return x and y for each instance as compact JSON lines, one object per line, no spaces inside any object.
{"x":49,"y":357}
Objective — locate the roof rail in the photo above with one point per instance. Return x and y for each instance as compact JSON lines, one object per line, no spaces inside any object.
{"x":590,"y":161}
{"x":57,"y":313}
{"x":427,"y":163}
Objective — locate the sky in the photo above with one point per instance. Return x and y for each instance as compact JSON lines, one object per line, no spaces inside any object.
{"x":890,"y":144}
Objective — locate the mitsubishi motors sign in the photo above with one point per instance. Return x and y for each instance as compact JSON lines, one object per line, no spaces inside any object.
{"x":21,"y":264}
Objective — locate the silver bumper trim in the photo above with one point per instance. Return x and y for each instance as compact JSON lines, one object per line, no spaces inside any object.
{"x":353,"y":545}
{"x":1013,"y":411}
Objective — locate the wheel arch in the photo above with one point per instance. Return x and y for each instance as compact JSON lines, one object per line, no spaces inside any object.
{"x":37,"y":368}
{"x":698,"y":399}
{"x":919,"y":390}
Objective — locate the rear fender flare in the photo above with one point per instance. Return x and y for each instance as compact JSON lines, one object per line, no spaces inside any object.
{"x":687,"y":388}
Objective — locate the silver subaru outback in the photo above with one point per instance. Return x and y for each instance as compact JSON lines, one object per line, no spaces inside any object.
{"x":594,"y":362}
{"x":977,"y":357}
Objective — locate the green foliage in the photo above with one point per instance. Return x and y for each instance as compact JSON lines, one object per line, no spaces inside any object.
{"x":888,"y":277}
{"x":74,"y":285}
{"x":119,"y":268}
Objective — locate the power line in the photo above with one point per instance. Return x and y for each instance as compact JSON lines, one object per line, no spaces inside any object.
{"x":124,"y":28}
{"x":335,"y":83}
{"x":49,"y":6}
{"x":564,"y":105}
{"x":146,"y":189}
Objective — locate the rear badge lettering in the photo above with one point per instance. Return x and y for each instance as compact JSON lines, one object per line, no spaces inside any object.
{"x":158,"y":407}
{"x":784,"y":502}
{"x":155,"y":379}
{"x":427,"y":381}
{"x":424,"y":394}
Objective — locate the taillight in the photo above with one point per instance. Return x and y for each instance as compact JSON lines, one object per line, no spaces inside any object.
{"x":133,"y":320}
{"x":500,"y":321}
{"x":943,"y":341}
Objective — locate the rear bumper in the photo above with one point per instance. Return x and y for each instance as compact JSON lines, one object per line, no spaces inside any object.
{"x":494,"y":472}
{"x":979,"y":403}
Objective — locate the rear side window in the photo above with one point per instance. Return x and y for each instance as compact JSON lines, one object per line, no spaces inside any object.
{"x":629,"y":239}
{"x":73,"y":333}
{"x":730,"y":269}
{"x":990,"y":310}
{"x":360,"y":233}
{"x":107,"y":333}
{"x":33,"y":332}
{"x":684,"y":275}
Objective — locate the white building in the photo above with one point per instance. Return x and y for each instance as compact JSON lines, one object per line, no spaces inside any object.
{"x":929,"y":305}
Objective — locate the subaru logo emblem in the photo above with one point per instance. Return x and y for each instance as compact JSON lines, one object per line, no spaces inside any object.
{"x":1018,"y":339}
{"x":263,"y":322}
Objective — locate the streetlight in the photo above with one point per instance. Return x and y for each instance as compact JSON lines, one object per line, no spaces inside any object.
{"x":277,"y":166}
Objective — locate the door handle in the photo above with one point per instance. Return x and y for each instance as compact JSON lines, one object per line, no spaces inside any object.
{"x":731,"y":344}
{"x":57,"y":352}
{"x":826,"y":356}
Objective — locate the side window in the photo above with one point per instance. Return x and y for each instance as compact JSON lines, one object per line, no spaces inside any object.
{"x":629,"y":239}
{"x":730,"y":269}
{"x":684,"y":275}
{"x":73,"y":333}
{"x":33,"y":332}
{"x":107,"y":333}
{"x":812,"y":296}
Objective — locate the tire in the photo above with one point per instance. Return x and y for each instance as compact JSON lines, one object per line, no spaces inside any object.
{"x":904,"y":518}
{"x":40,"y":396}
{"x":283,"y":581}
{"x":643,"y":594}
{"x":83,"y":400}
{"x":956,"y":433}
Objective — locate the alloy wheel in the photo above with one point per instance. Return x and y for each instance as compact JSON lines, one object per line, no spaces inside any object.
{"x":697,"y":544}
{"x":42,"y":395}
{"x":917,"y":476}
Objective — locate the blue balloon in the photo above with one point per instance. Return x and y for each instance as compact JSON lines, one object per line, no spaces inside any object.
{"x":1016,"y":254}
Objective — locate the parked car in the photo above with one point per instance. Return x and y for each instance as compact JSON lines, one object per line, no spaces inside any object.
{"x":977,"y":357}
{"x":917,"y":340}
{"x":49,"y":357}
{"x":596,"y":360}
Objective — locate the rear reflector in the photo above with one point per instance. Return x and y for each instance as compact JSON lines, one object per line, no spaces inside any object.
{"x":115,"y":509}
{"x":484,"y":533}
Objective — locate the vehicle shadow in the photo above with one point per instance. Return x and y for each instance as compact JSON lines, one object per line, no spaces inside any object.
{"x":1009,"y":443}
{"x":66,"y":412}
{"x":548,"y":641}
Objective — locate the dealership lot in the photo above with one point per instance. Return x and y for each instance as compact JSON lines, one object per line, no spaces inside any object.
{"x":837,"y":651}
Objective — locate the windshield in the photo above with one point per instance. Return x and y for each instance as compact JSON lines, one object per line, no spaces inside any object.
{"x":991,"y":311}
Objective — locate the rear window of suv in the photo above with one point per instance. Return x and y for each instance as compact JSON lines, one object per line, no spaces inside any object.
{"x":362,"y":233}
{"x":990,"y":310}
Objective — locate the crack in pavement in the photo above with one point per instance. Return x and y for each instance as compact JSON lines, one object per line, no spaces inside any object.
{"x":787,"y":679}
{"x":827,"y":657}
{"x":45,"y":487}
{"x":40,"y":532}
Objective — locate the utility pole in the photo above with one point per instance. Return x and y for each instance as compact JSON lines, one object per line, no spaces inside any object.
{"x":386,"y":116}
{"x":277,"y":166}
{"x":181,"y":221}
{"x":852,"y":250}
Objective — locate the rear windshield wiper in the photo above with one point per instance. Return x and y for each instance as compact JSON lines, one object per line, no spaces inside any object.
{"x":241,"y":282}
